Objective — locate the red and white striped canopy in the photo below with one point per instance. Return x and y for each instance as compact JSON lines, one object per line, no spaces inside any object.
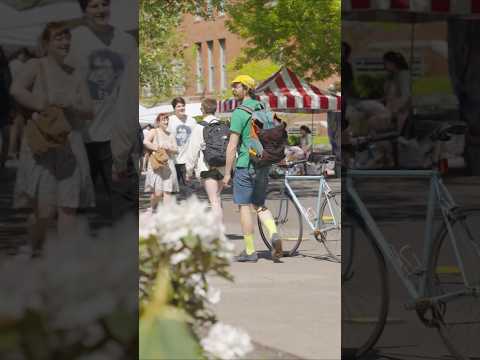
{"x":408,"y":10}
{"x":285,"y":91}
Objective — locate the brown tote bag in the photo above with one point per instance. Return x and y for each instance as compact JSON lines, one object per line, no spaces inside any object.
{"x":50,"y":129}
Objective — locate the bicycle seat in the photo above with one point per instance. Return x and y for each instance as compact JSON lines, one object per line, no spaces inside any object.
{"x":290,"y":164}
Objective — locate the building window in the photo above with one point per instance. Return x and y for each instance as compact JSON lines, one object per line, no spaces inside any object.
{"x":197,"y":16}
{"x":198,"y":48}
{"x":211,"y":67}
{"x":223,"y":65}
{"x":209,"y":8}
{"x":221,"y":8}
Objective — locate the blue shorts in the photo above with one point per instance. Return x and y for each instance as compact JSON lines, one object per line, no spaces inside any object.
{"x":250,"y":186}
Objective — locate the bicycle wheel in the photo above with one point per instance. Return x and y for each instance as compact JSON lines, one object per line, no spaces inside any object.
{"x":287,"y":218}
{"x":458,"y":320}
{"x":365,"y":291}
{"x":331,"y":240}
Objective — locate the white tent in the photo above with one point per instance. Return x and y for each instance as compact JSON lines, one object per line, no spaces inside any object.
{"x":147,"y":115}
{"x":23,"y":27}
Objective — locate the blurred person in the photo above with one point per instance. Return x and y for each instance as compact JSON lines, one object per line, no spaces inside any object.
{"x":55,"y":182}
{"x":211,"y":176}
{"x":181,"y":127}
{"x":146,"y":153}
{"x":306,"y":140}
{"x":162,"y":182}
{"x":5,"y":105}
{"x":397,"y":88}
{"x":107,"y":59}
{"x":250,"y":184}
{"x":16,"y":65}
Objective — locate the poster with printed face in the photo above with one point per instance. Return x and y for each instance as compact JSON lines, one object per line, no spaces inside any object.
{"x":182,"y":135}
{"x":105,"y":69}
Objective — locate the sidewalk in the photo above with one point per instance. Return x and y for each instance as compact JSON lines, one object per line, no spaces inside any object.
{"x":290,"y":310}
{"x":293,"y":307}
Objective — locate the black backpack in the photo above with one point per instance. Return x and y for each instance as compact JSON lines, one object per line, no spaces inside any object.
{"x":216,"y":135}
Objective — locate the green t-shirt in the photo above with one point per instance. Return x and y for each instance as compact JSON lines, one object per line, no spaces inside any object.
{"x":239,"y":126}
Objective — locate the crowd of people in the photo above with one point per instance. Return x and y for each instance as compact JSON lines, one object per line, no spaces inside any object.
{"x":177,"y":151}
{"x":362,"y":116}
{"x":68,"y":119}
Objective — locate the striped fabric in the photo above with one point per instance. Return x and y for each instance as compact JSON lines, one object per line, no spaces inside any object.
{"x":434,"y":7}
{"x":285,"y":91}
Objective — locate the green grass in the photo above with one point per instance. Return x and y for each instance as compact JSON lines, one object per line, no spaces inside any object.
{"x":432,"y":85}
{"x":320,"y":140}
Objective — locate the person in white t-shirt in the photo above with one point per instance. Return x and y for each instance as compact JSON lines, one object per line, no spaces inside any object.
{"x":17,"y":64}
{"x":107,"y":58}
{"x":181,"y":126}
{"x":211,"y":176}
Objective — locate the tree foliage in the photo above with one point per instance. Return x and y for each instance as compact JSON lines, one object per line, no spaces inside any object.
{"x":161,"y":51}
{"x":301,"y":34}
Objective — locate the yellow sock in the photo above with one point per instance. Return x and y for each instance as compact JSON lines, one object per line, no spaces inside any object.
{"x":271,"y":226}
{"x":249,"y":247}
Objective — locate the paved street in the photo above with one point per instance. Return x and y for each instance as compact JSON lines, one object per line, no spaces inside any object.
{"x":292,"y":308}
{"x":399,"y":208}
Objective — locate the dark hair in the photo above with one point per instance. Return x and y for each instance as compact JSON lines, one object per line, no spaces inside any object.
{"x":178,"y":100}
{"x":348,"y":48}
{"x":105,"y":54}
{"x":209,"y":105}
{"x":84,"y":3}
{"x":21,"y":51}
{"x":61,"y":27}
{"x":397,"y":59}
{"x":306,"y":129}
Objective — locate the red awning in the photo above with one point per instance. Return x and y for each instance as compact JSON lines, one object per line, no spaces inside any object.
{"x":408,"y":10}
{"x":285,"y":91}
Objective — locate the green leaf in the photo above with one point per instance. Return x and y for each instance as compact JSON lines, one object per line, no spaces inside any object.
{"x":167,"y":339}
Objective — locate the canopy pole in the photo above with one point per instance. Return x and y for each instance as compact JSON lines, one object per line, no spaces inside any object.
{"x":412,"y":46}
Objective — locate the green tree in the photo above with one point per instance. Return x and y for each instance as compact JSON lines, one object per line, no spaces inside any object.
{"x":301,"y":34}
{"x":161,"y":52}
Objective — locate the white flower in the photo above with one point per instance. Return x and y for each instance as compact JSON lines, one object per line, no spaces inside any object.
{"x":181,"y":256}
{"x":226,"y":342}
{"x":213,"y":295}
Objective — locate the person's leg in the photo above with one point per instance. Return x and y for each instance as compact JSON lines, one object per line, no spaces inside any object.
{"x":242,"y":196}
{"x":155,"y":199}
{"x":264,"y":214}
{"x":168,"y":198}
{"x":246,"y":222}
{"x":66,"y":222}
{"x":37,"y":230}
{"x":92,"y":154}
{"x":5,"y":132}
{"x":105,"y":166}
{"x":212,"y":187}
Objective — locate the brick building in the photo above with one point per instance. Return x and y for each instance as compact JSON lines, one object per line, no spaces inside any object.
{"x":210,"y":48}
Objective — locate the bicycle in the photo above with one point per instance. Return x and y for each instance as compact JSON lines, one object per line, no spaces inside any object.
{"x":444,"y":286}
{"x":289,"y":214}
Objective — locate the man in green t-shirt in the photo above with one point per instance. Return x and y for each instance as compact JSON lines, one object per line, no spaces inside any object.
{"x":249,"y":183}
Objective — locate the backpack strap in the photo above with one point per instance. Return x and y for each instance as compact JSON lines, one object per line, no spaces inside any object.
{"x":245,"y":108}
{"x":203,"y":123}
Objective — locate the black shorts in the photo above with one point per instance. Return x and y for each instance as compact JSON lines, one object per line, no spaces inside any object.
{"x":212,"y":174}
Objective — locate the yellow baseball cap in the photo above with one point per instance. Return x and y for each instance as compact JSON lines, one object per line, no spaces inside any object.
{"x":246,"y":80}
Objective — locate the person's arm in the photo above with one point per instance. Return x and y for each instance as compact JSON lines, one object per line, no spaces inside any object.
{"x":193,"y":150}
{"x":23,"y":82}
{"x":83,"y":104}
{"x":231,"y":152}
{"x":148,"y":141}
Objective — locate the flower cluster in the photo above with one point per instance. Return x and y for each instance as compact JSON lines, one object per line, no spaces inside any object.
{"x":226,"y":342}
{"x":54,"y":299}
{"x":189,"y":238}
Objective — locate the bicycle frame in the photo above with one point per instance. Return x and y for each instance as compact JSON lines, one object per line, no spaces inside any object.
{"x":323,"y":188}
{"x":438,"y":196}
